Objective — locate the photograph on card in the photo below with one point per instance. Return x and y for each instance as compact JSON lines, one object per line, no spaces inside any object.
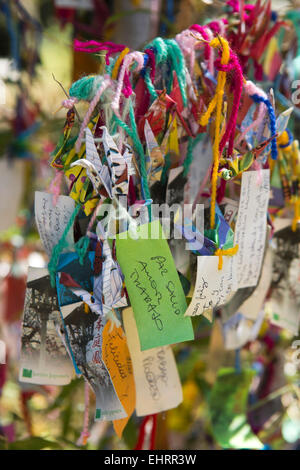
{"x":44,"y":358}
{"x":85,"y":334}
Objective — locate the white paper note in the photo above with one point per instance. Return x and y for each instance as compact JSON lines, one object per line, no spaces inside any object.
{"x":213,"y":286}
{"x":253,"y":305}
{"x":250,"y":230}
{"x":157,"y":382}
{"x":51,"y":220}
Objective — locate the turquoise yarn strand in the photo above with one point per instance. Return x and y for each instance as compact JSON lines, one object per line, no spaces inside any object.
{"x":150,"y":85}
{"x":86,"y":87}
{"x":178,"y":64}
{"x":167,"y":50}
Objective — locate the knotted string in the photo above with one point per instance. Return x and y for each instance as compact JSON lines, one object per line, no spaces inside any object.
{"x":227,"y":252}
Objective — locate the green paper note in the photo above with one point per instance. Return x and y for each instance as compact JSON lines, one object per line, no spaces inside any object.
{"x":154,"y":288}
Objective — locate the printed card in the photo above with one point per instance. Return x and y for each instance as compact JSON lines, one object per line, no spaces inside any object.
{"x":85,"y":336}
{"x":44,"y":359}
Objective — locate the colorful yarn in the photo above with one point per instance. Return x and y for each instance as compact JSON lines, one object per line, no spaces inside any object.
{"x":85,"y":88}
{"x":251,"y":89}
{"x":260,"y":99}
{"x":232,"y":65}
{"x":106,"y":82}
{"x":228,"y":252}
{"x":94,"y":46}
{"x":216,"y":102}
{"x":118,"y":62}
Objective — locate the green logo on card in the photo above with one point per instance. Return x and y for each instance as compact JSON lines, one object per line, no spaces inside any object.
{"x":27,"y":373}
{"x":98,"y":413}
{"x":275,"y":316}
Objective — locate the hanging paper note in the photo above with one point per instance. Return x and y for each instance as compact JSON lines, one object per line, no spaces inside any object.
{"x":117,"y":360}
{"x":157,"y":382}
{"x":154,"y":288}
{"x":253,"y":305}
{"x":213,"y":286}
{"x":251,"y":226}
{"x":51,"y":220}
{"x":85,"y":332}
{"x":44,"y":359}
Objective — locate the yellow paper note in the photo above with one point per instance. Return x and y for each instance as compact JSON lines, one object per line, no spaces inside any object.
{"x":117,"y":360}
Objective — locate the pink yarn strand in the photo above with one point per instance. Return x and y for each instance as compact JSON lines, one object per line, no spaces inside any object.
{"x":55,"y":185}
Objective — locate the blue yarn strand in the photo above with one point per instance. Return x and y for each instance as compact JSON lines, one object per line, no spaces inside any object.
{"x":260,"y":99}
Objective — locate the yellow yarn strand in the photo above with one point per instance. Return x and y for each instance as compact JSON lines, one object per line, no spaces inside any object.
{"x":115,"y":70}
{"x":216,"y":102}
{"x":229,"y":252}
